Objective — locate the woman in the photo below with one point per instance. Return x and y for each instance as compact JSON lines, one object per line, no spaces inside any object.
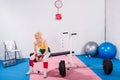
{"x":41,"y":53}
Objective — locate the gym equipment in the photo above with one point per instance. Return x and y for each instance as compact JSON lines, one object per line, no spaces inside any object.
{"x":60,"y":53}
{"x":70,"y":35}
{"x":10,"y":53}
{"x":107,"y":66}
{"x":90,"y":48}
{"x":107,"y":50}
{"x":62,"y":68}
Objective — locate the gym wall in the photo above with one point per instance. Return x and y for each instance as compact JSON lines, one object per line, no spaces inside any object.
{"x":20,"y":19}
{"x":113,"y":23}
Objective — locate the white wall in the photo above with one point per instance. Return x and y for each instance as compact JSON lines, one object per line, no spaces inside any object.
{"x":20,"y":19}
{"x":113,"y":23}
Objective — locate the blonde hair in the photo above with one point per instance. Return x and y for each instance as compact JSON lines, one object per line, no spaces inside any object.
{"x":38,"y":34}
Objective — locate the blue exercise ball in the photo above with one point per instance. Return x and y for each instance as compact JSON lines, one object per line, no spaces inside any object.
{"x":107,"y":50}
{"x":90,"y":48}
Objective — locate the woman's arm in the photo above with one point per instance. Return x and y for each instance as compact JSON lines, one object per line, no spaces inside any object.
{"x":46,"y":47}
{"x":35,"y":48}
{"x":35,"y":51}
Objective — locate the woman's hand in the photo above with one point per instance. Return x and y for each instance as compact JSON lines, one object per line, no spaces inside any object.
{"x":41,"y":58}
{"x":42,"y":55}
{"x":36,"y":56}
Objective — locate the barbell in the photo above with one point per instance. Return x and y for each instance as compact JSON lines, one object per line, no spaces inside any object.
{"x":106,"y":64}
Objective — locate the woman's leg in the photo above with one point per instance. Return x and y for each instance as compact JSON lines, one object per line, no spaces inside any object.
{"x":31,"y":63}
{"x":45,"y":64}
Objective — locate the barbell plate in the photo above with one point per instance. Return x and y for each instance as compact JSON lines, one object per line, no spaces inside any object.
{"x":107,"y":66}
{"x":62,"y":68}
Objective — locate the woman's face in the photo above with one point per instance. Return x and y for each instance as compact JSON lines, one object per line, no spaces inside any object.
{"x":38,"y":37}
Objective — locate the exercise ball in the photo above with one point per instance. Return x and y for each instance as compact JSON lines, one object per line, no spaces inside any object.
{"x":107,"y":50}
{"x":90,"y":48}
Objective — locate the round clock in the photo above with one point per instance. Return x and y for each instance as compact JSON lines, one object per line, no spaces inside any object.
{"x":58,"y":4}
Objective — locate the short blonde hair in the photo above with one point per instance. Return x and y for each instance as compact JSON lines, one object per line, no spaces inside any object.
{"x":38,"y":34}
